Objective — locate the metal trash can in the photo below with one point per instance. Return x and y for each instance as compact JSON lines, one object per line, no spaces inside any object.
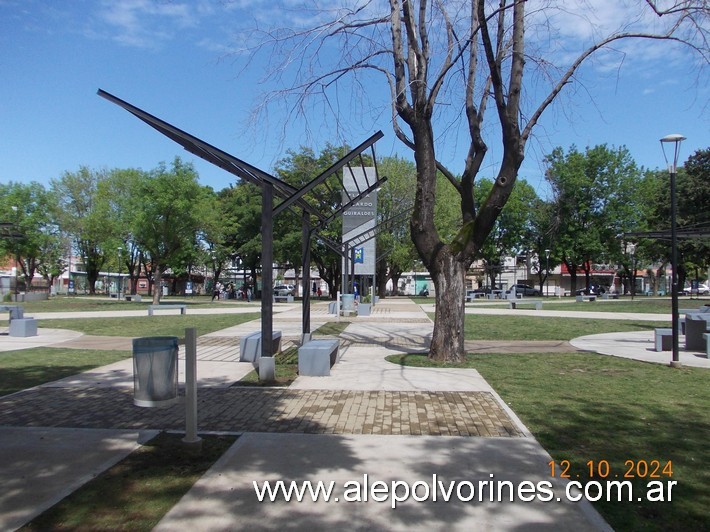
{"x":155,"y":370}
{"x":348,"y":302}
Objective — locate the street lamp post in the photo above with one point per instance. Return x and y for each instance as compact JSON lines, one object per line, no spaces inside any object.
{"x":675,"y":139}
{"x":547,"y":273}
{"x":15,"y":270}
{"x":120,"y":249}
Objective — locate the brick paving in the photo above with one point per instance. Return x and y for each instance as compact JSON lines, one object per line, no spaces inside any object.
{"x":268,"y":410}
{"x":246,"y":409}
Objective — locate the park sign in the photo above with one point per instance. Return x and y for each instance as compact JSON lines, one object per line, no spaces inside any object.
{"x":360,"y":217}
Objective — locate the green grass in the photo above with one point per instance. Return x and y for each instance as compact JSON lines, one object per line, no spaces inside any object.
{"x":638,"y":305}
{"x":584,"y":407}
{"x":138,"y":491}
{"x":488,"y":327}
{"x":172,"y":325}
{"x":26,"y":368}
{"x":286,"y":369}
{"x":332,"y":328}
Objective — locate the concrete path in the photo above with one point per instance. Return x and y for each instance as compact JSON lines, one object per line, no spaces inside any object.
{"x":638,"y":345}
{"x":225,"y":498}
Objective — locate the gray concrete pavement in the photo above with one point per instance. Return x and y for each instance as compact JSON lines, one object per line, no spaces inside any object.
{"x":638,"y":345}
{"x":225,"y":498}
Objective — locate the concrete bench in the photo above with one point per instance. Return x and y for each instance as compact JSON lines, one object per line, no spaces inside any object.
{"x":287,"y":299}
{"x":136,"y":297}
{"x":583,"y":298}
{"x":23,"y":327}
{"x":515,"y":303}
{"x":151,"y":308}
{"x":250,"y":346}
{"x":315,"y":358}
{"x":663,"y":339}
{"x":333,"y":307}
{"x":682,"y":312}
{"x":607,"y":295}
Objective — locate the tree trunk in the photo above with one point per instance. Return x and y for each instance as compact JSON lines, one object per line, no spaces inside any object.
{"x":449,"y":277}
{"x":157,"y":282}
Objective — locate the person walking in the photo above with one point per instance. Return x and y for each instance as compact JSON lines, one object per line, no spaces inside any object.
{"x":217,"y":290}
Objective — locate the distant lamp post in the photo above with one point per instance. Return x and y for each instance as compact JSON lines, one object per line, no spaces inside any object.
{"x":674,"y":139}
{"x":120,"y":250}
{"x":547,"y":273}
{"x":631,"y":250}
{"x":15,"y":270}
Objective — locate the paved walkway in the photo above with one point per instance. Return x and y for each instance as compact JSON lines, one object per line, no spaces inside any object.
{"x":369,"y":417}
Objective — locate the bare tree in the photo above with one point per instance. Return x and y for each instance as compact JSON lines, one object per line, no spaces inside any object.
{"x":444,"y":58}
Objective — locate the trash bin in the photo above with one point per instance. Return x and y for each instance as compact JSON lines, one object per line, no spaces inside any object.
{"x":348,"y":302}
{"x":155,"y":370}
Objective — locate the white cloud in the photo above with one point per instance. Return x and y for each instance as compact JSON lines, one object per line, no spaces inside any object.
{"x":144,"y":23}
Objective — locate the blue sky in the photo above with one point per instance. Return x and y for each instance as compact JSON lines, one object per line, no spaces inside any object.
{"x":174,"y":59}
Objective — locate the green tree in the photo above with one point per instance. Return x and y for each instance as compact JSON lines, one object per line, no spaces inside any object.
{"x":85,"y":215}
{"x":693,"y":214}
{"x":512,"y":231}
{"x":239,"y":233}
{"x":28,"y":208}
{"x":123,"y":202}
{"x":595,"y":202}
{"x":168,"y":217}
{"x":394,"y":246}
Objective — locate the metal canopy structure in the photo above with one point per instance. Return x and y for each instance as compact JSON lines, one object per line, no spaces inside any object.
{"x":291,"y":198}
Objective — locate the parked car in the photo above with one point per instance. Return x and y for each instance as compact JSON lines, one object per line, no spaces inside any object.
{"x":524,"y":290}
{"x":702,"y":290}
{"x":594,"y":290}
{"x":284,"y":290}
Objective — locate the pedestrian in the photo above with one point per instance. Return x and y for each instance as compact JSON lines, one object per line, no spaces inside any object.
{"x":315,"y":288}
{"x":248,"y":294}
{"x":217,"y":290}
{"x":320,"y":292}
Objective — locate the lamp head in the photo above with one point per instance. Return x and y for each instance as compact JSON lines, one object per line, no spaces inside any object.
{"x":674,"y":137}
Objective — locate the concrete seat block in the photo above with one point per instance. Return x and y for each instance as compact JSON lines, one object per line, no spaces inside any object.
{"x":250,"y":346}
{"x":23,"y":327}
{"x":663,"y":339}
{"x":316,"y":357}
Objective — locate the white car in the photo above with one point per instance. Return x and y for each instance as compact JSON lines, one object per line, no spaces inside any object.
{"x":284,"y":290}
{"x":703,"y":290}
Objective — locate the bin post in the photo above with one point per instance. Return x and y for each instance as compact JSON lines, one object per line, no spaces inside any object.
{"x":191,"y":438}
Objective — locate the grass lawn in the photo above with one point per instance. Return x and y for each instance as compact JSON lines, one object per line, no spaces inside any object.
{"x":488,"y":327}
{"x":585,"y":407}
{"x":138,"y":491}
{"x":172,"y":325}
{"x":26,"y":368}
{"x":625,"y":304}
{"x":97,"y":303}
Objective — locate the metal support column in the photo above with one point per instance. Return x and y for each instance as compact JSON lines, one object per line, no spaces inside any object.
{"x":267,"y":273}
{"x":306,"y":262}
